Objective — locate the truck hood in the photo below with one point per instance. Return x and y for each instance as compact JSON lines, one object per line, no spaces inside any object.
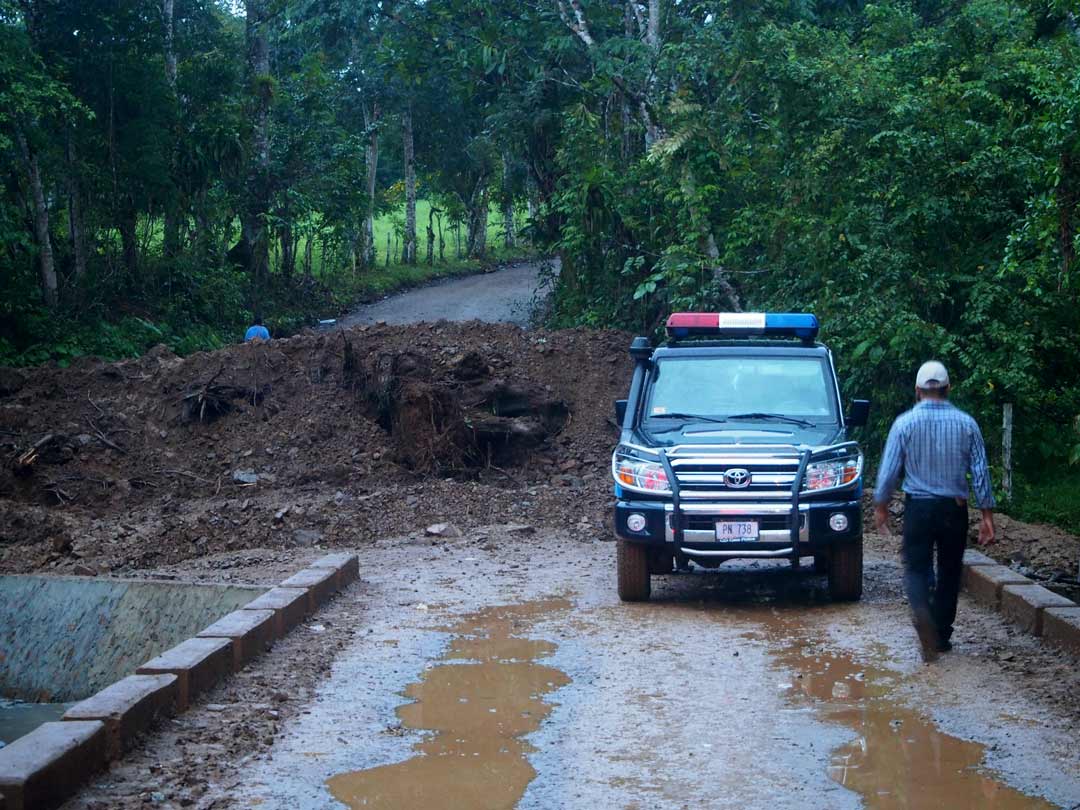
{"x":740,"y":433}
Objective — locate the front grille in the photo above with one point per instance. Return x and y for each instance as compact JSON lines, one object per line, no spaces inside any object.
{"x":707,"y":523}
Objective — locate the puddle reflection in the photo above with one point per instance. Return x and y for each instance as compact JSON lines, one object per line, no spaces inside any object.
{"x":899,"y":760}
{"x":480,"y":703}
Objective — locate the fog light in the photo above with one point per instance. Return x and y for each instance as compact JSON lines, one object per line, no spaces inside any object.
{"x":838,"y":522}
{"x":635,"y":522}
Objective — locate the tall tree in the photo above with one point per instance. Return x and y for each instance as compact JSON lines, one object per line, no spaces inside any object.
{"x":409,"y":248}
{"x":255,"y":226}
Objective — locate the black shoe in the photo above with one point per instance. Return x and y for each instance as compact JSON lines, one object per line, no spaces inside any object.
{"x":945,"y":646}
{"x":929,"y":642}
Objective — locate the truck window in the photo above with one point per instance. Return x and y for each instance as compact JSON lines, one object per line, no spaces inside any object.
{"x":722,"y":386}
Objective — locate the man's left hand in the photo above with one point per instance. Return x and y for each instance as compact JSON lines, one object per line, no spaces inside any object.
{"x":986,"y":528}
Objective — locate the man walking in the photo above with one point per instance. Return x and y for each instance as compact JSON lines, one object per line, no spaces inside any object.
{"x":934,"y":446}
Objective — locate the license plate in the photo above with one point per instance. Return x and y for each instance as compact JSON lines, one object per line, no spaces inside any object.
{"x":736,"y":530}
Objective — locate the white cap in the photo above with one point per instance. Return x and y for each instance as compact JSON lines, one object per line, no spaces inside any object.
{"x":932,"y":374}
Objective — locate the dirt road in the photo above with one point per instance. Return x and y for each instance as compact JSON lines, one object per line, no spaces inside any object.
{"x":499,"y":670}
{"x":494,"y":667}
{"x":507,"y":295}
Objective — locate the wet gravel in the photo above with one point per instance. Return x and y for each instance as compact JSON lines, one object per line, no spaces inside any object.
{"x":682,"y":702}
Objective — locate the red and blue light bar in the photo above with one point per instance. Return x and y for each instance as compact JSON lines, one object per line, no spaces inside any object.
{"x":802,"y":325}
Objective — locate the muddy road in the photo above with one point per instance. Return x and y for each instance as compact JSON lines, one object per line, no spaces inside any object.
{"x":507,"y":295}
{"x":499,"y":670}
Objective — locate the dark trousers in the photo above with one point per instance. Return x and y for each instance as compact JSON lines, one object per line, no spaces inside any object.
{"x":941,"y":525}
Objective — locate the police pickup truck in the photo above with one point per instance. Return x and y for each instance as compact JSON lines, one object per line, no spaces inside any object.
{"x":734,"y":446}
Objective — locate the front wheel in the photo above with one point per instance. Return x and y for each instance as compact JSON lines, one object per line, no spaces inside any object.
{"x":633,"y":572}
{"x":845,"y":572}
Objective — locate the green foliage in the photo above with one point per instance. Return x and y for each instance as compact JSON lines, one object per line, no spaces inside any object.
{"x":1051,"y":499}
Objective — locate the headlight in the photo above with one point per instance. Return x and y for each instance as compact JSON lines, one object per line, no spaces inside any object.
{"x":636,"y":473}
{"x":832,"y":474}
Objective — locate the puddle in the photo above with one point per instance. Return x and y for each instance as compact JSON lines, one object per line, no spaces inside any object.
{"x":17,"y":719}
{"x":484,"y":697}
{"x":900,"y":760}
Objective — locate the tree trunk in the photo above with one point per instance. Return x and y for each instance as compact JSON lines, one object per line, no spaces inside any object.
{"x":288,"y":249}
{"x":410,"y":187}
{"x":75,"y":210}
{"x":41,"y":223}
{"x":509,"y":230}
{"x":431,"y":236}
{"x":1068,"y":196}
{"x":627,"y":120}
{"x":171,"y":239}
{"x":170,"y":52}
{"x":476,"y":239}
{"x":307,"y":254}
{"x":258,"y":44}
{"x":129,"y":238}
{"x":532,"y":195}
{"x":371,"y":120}
{"x":652,"y":39}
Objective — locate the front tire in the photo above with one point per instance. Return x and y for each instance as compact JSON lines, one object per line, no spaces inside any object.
{"x":846,"y":572}
{"x":633,"y":572}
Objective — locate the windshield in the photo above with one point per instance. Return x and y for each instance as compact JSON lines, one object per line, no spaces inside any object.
{"x":729,"y":386}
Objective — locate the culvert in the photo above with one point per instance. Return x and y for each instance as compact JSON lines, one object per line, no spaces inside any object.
{"x":64,"y":638}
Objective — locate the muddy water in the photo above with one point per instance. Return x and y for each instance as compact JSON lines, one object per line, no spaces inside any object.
{"x":17,"y":718}
{"x":480,"y":702}
{"x":899,"y":760}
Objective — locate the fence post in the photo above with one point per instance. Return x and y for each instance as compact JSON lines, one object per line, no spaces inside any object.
{"x":1006,"y":449}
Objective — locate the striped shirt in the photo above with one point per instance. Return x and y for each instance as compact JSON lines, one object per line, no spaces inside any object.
{"x":934,"y":446}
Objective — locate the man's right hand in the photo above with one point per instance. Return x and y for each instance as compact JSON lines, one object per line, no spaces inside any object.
{"x":987,"y":532}
{"x":881,"y":518}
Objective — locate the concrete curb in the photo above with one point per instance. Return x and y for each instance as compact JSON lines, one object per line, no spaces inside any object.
{"x":48,"y":765}
{"x":1025,"y":603}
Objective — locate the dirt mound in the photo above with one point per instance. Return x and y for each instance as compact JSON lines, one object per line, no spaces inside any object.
{"x":322,"y":439}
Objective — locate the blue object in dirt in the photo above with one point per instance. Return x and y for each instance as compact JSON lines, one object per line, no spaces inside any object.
{"x":256,"y":332}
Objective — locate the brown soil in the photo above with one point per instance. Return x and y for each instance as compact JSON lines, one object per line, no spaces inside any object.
{"x":320,"y":440}
{"x":328,"y":440}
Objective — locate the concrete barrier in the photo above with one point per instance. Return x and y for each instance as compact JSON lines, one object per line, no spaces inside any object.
{"x":43,"y":768}
{"x":249,"y":631}
{"x":1061,"y":625}
{"x":39,"y":771}
{"x":320,"y":583}
{"x":1024,"y":605}
{"x":973,"y":557}
{"x":128,"y":708}
{"x":197,"y":663}
{"x":290,"y":606}
{"x":984,"y":582}
{"x":347,"y":567}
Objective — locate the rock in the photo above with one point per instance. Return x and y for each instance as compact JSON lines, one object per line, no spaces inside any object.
{"x":245,"y":477}
{"x":307,"y":537}
{"x":519,"y":528}
{"x":280,"y":515}
{"x":11,"y":381}
{"x":60,"y":544}
{"x":84,"y":571}
{"x":443,"y":530}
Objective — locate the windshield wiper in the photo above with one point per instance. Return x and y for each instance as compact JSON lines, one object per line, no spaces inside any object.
{"x":696,"y":417}
{"x":686,"y":417}
{"x":778,"y":416}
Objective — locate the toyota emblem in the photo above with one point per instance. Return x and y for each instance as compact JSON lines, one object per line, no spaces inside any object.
{"x":737,"y":479}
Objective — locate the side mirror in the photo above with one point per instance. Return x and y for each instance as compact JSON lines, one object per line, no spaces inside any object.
{"x":859,"y":414}
{"x":620,"y":411}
